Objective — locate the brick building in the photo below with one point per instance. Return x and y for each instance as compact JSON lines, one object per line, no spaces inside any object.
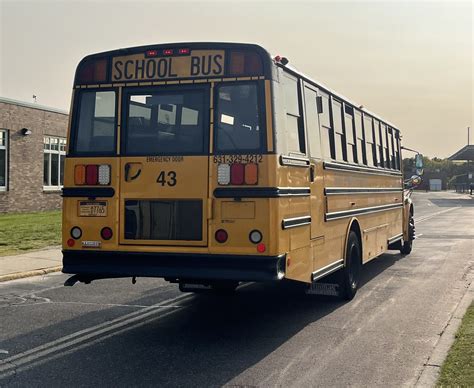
{"x":32,"y":150}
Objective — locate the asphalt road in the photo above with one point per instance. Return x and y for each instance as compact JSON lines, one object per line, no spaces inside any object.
{"x":113,"y":333}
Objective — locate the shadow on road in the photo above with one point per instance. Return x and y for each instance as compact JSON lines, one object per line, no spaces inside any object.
{"x":208,"y":343}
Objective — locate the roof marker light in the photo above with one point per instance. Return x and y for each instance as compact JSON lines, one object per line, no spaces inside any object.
{"x":151,"y":53}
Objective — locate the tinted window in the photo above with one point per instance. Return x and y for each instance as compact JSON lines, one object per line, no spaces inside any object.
{"x":166,"y":122}
{"x":237,"y":123}
{"x":95,"y":130}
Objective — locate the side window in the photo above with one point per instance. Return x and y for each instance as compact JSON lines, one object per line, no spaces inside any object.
{"x":360,"y":138}
{"x":396,"y":139}
{"x":326,"y":129}
{"x":312,"y":122}
{"x":294,"y":127}
{"x":385,"y":153}
{"x":370,"y":141}
{"x":349,"y":132}
{"x":391,"y":150}
{"x":338,"y":132}
{"x":378,"y":142}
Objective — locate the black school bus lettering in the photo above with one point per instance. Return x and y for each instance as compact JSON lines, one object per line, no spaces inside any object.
{"x":137,"y":67}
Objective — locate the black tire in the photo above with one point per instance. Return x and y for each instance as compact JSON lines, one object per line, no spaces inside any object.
{"x":407,"y":246}
{"x":224,"y":287}
{"x":350,"y":276}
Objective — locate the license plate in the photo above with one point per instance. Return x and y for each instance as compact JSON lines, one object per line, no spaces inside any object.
{"x":93,"y":209}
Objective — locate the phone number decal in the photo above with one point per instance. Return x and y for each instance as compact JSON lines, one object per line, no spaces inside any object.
{"x":229,"y":159}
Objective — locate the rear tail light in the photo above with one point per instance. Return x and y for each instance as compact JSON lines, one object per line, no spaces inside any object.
{"x":223,"y":174}
{"x":70,"y":243}
{"x":237,"y":174}
{"x":92,"y":174}
{"x":221,"y":236}
{"x":76,"y":232}
{"x":261,"y":248}
{"x":80,"y":174}
{"x":255,"y":236}
{"x":251,"y":174}
{"x":106,"y":233}
{"x":104,"y":174}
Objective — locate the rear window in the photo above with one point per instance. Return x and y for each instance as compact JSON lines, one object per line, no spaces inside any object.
{"x":238,"y":121}
{"x":166,"y":122}
{"x":95,"y":129}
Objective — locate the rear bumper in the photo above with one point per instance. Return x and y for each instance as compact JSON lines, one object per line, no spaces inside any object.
{"x":103,"y":264}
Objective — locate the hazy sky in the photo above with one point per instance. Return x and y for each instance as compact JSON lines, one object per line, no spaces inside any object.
{"x":409,"y":61}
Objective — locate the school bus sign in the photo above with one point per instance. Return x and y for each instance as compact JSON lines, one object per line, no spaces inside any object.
{"x":200,"y":63}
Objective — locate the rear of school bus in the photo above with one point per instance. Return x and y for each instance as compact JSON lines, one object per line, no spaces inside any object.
{"x":171,"y":170}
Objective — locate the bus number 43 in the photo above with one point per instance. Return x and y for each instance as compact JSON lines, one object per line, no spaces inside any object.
{"x":166,"y":178}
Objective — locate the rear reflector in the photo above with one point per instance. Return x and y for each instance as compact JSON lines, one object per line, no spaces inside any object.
{"x":237,"y":171}
{"x":223,"y":174}
{"x":91,"y":174}
{"x":106,"y":233}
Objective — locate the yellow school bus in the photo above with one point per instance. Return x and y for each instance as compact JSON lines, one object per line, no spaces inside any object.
{"x":210,"y":164}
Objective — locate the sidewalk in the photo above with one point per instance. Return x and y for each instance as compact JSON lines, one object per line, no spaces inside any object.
{"x":30,"y":263}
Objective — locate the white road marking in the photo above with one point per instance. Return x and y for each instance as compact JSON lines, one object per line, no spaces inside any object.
{"x":88,"y":337}
{"x":8,"y":365}
{"x":424,"y":218}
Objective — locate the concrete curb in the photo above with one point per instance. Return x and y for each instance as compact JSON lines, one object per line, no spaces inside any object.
{"x":432,"y":367}
{"x":26,"y":274}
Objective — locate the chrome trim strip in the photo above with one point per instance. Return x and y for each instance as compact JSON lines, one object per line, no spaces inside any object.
{"x":294,"y":161}
{"x":361,"y":190}
{"x":396,"y":238}
{"x":328,"y":269}
{"x":296,"y":221}
{"x":365,"y":210}
{"x":360,"y":169}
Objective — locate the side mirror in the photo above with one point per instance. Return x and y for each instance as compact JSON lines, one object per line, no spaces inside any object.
{"x":415,"y":180}
{"x":419,"y":161}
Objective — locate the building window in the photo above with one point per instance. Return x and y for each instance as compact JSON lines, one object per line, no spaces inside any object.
{"x":3,"y":159}
{"x":53,"y":165}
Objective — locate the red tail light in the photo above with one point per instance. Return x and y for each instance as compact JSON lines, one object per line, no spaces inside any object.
{"x":106,"y":233}
{"x":221,"y":236}
{"x":92,"y":174}
{"x":237,"y":174}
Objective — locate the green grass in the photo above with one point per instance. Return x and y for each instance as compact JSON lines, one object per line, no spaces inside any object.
{"x":458,"y":369}
{"x":22,"y":232}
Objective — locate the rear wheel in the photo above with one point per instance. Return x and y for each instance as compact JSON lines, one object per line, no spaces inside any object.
{"x":350,"y":276}
{"x":407,"y":246}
